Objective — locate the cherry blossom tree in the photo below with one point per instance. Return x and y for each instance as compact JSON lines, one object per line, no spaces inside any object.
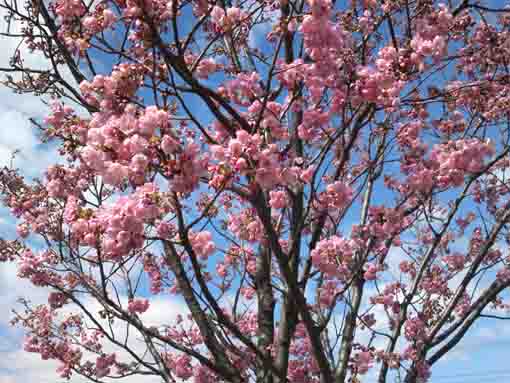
{"x":321,"y":185}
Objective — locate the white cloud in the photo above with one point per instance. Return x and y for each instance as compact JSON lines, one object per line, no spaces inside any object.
{"x":18,"y":365}
{"x":18,"y":134}
{"x":13,"y":288}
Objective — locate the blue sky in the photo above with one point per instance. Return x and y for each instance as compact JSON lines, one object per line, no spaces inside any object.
{"x":481,"y":357}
